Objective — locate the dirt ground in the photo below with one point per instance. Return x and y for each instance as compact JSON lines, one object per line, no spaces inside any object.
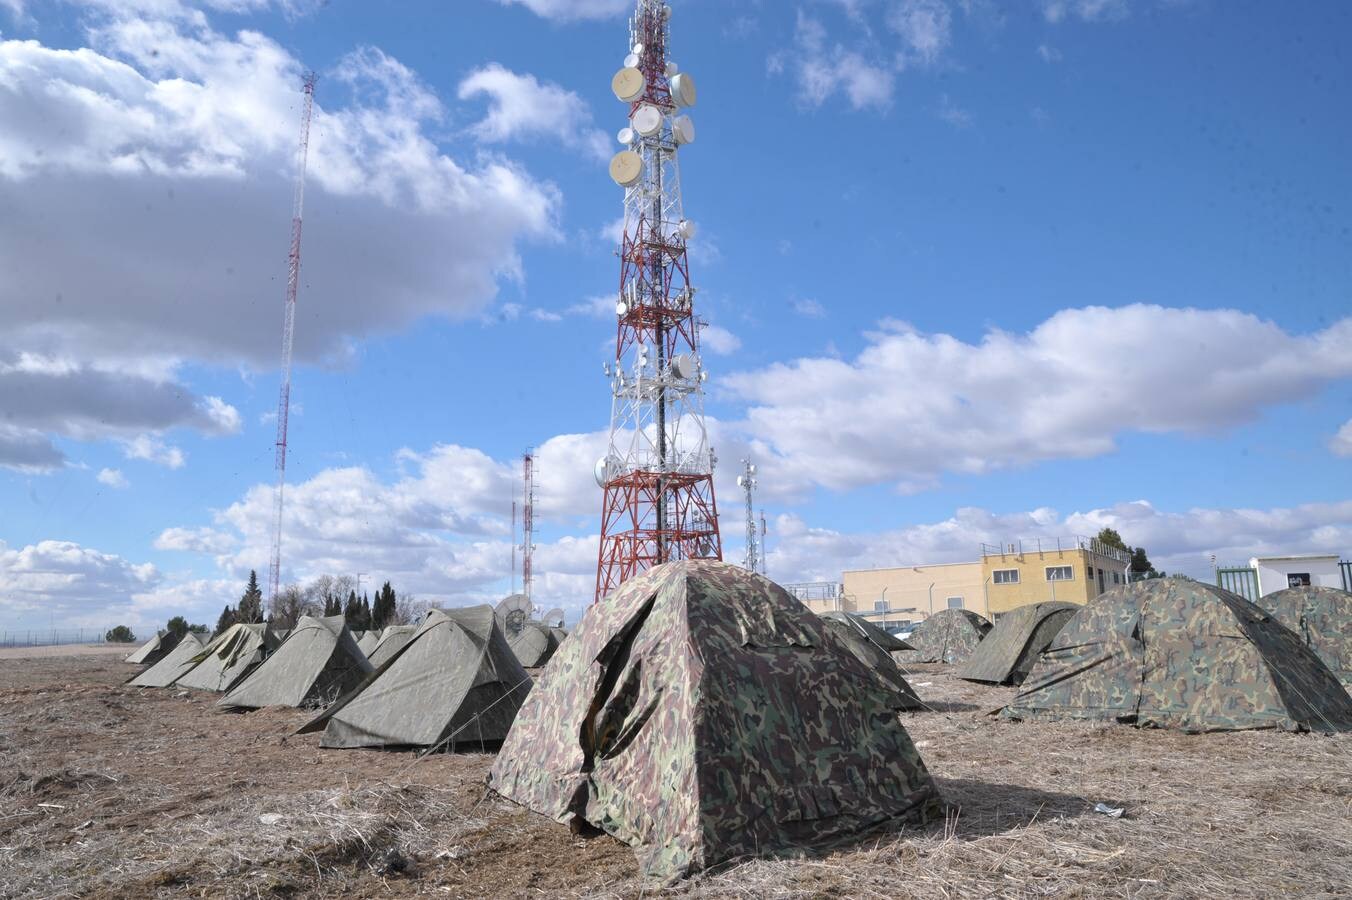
{"x":122,"y":650}
{"x":110,"y":791}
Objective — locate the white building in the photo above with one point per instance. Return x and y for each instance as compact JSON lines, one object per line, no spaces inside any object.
{"x":1277,"y":573}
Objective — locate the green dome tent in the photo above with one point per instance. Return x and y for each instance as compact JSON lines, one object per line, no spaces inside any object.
{"x":948,"y":636}
{"x":453,"y":681}
{"x":177,"y":662}
{"x":1007,"y":653}
{"x":316,"y":664}
{"x":857,"y":636}
{"x":1322,"y":617}
{"x":534,"y":644}
{"x":1176,"y":653}
{"x":700,"y":713}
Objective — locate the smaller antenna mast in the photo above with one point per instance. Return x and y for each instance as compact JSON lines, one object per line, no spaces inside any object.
{"x":747,"y":482}
{"x":527,"y":520}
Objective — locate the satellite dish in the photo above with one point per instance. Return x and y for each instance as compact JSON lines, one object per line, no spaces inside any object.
{"x":683,"y":89}
{"x":741,"y":481}
{"x":621,"y":308}
{"x":625,"y":136}
{"x":600,"y":472}
{"x":684,"y":130}
{"x":686,"y":228}
{"x":631,"y":61}
{"x":628,"y":84}
{"x":672,"y":69}
{"x":647,"y":120}
{"x":638,"y":49}
{"x":553,"y":618}
{"x":682,"y":366}
{"x":512,"y":613}
{"x":626,"y":168}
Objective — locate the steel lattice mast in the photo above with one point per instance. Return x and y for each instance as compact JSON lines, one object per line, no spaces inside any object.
{"x":527,"y":521}
{"x":747,"y":482}
{"x":288,"y":333}
{"x":657,"y":474}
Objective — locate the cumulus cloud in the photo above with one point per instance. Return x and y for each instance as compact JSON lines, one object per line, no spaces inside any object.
{"x":574,"y":10}
{"x":521,"y":107}
{"x":153,"y":450}
{"x":719,"y":341}
{"x":912,"y":406}
{"x":1341,"y":443}
{"x":925,"y":28}
{"x":113,"y":478}
{"x":1085,"y":10}
{"x":824,"y":68}
{"x":196,"y":540}
{"x":66,"y":583}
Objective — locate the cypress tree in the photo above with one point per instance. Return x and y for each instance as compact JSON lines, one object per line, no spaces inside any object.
{"x":228,"y":618}
{"x":251,"y":604}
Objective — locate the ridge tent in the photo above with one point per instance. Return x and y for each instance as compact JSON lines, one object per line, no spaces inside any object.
{"x":391,"y":639}
{"x":229,"y":657}
{"x":174,"y":664}
{"x":878,"y":661}
{"x":534,"y":644}
{"x":455,"y":679}
{"x":368,"y":641}
{"x":1322,"y":618}
{"x":154,"y":650}
{"x":948,"y":636}
{"x":700,"y":714}
{"x":316,"y":664}
{"x":885,"y":641}
{"x":1176,"y":653}
{"x":1008,"y":652}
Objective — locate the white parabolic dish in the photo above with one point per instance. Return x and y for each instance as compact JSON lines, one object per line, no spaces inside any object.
{"x":628,"y":84}
{"x":647,"y":120}
{"x":683,"y":128}
{"x":626,"y":168}
{"x":625,"y":136}
{"x":683,"y":89}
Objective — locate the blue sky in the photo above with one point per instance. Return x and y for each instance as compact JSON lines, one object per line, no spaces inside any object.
{"x":973,"y":271}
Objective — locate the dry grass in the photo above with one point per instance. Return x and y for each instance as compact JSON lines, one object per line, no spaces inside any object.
{"x":111,"y":792}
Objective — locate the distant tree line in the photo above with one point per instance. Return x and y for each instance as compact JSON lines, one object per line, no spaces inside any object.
{"x":327,"y":595}
{"x":1140,"y":566}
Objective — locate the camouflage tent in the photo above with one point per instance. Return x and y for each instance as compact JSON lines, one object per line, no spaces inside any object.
{"x":948,"y":636}
{"x":175,"y":663}
{"x":1172,"y":652}
{"x":229,"y":657}
{"x":888,"y":643}
{"x":454,"y":681}
{"x":1322,"y":617}
{"x":368,"y":641}
{"x":154,"y":650}
{"x":534,"y":644}
{"x":700,"y":713}
{"x":879,"y":662}
{"x":316,"y":664}
{"x":1006,"y":655}
{"x":391,"y":639}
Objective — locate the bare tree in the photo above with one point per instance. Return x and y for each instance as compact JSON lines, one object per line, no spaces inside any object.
{"x":408,"y":610}
{"x":329,"y":587}
{"x":290,"y":605}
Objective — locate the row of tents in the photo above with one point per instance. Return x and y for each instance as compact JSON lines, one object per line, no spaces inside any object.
{"x":701,"y":713}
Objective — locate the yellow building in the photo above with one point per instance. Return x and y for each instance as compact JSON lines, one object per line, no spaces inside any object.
{"x":1073,"y":570}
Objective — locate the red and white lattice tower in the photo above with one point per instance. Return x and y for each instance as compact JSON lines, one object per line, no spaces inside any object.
{"x":527,"y":521}
{"x":657,"y":473}
{"x":288,"y":334}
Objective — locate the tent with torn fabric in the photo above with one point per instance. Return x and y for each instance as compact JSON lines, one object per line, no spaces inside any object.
{"x":391,"y":639}
{"x":701,"y":713}
{"x":368,"y":641}
{"x":948,"y":636}
{"x":177,"y":662}
{"x":230,"y":657}
{"x":316,"y":664}
{"x":534,"y":644}
{"x":454,"y":682}
{"x":1177,"y":653}
{"x":844,"y":627}
{"x":1007,"y":653}
{"x":154,"y":650}
{"x":883,"y":640}
{"x":1322,"y":617}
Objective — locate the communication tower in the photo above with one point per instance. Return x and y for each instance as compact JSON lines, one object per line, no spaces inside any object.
{"x":747,"y":482}
{"x":657,"y":473}
{"x":288,"y":334}
{"x":527,"y":521}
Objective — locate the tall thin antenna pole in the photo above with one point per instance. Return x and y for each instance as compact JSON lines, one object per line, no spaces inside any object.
{"x":513,"y":581}
{"x":288,"y":335}
{"x":763,"y":551}
{"x":527,"y":521}
{"x":747,"y":482}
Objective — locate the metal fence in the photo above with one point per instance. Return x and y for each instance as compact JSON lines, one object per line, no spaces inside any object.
{"x":49,"y":637}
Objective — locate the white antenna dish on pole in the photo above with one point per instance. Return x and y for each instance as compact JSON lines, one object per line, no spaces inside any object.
{"x":553,"y":618}
{"x":628,"y":84}
{"x":686,"y":229}
{"x":672,"y":69}
{"x":625,"y":136}
{"x":682,"y":366}
{"x":647,"y":120}
{"x":512,"y":613}
{"x":601,"y":471}
{"x":683,"y":90}
{"x":631,"y":61}
{"x":684,"y":130}
{"x":626,"y":168}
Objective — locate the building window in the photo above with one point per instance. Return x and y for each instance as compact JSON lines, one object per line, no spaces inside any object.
{"x":1117,"y":578}
{"x":1005,"y":576}
{"x":1091,"y":573}
{"x":880,"y":606}
{"x":1060,"y":573}
{"x":955,"y":603}
{"x":1298,"y":579}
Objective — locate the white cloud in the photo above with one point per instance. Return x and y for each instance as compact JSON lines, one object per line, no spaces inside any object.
{"x":809,"y":309}
{"x":1085,"y":10}
{"x":925,"y":28}
{"x":719,"y":341}
{"x":154,"y":450}
{"x":1341,"y":443}
{"x":195,"y":540}
{"x":823,"y":69}
{"x":574,"y":10}
{"x":63,"y":582}
{"x":912,"y":406}
{"x":521,"y":107}
{"x":1048,"y":53}
{"x":113,"y":478}
{"x":28,"y":450}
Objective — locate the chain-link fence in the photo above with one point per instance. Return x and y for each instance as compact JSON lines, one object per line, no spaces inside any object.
{"x":49,"y":637}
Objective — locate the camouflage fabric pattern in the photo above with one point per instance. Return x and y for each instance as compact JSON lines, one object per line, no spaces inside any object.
{"x":1175,"y":653}
{"x":1009,"y":651}
{"x":317,"y":663}
{"x":701,"y":714}
{"x":229,"y":658}
{"x":948,"y":636}
{"x":878,"y":661}
{"x":871,"y":632}
{"x":1322,"y":617}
